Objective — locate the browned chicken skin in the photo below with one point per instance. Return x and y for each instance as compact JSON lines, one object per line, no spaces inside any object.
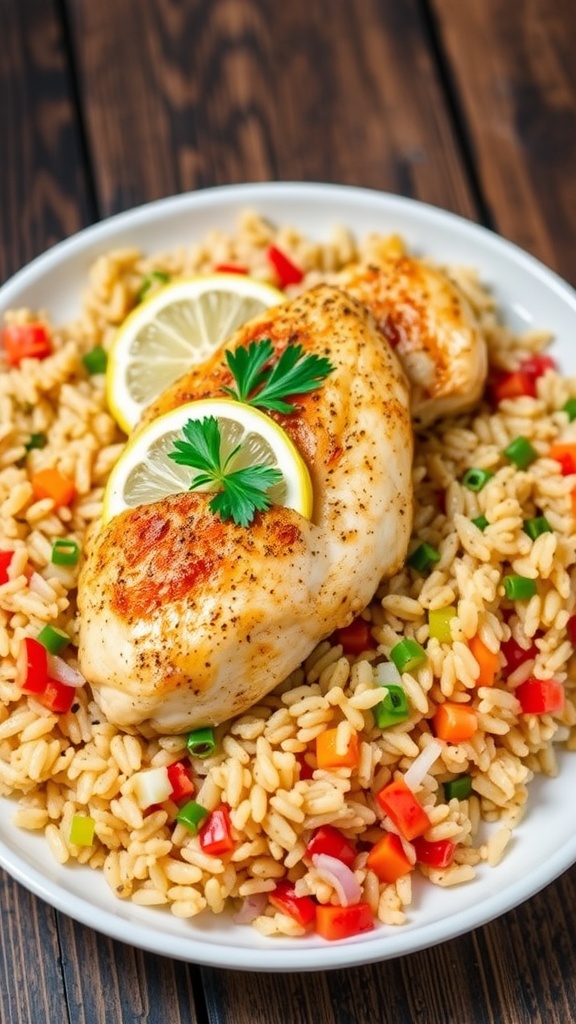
{"x":186,"y":620}
{"x":428,"y":321}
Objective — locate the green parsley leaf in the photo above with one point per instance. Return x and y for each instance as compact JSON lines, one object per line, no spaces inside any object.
{"x":246,"y":364}
{"x":294,"y":373}
{"x":240,"y":493}
{"x":244,"y":493}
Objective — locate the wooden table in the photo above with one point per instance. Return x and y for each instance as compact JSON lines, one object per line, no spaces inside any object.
{"x":467,"y":104}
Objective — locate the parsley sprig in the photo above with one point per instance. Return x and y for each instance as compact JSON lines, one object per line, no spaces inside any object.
{"x":262,"y":383}
{"x":266,"y":387}
{"x":240,"y":493}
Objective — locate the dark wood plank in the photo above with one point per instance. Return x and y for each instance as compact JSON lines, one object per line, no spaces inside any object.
{"x":514,"y":69}
{"x":31,"y":989}
{"x":195,"y":90}
{"x":43,"y":191}
{"x":43,"y":198}
{"x":107,"y":981}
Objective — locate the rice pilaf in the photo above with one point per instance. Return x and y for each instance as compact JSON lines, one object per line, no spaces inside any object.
{"x":61,"y":765}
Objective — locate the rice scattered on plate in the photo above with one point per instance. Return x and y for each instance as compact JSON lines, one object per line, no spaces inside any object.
{"x":59,"y":766}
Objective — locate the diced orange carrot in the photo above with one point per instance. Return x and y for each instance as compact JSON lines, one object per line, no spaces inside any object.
{"x":488,"y":662}
{"x":50,"y":483}
{"x":455,"y":722}
{"x":335,"y":923}
{"x":327,"y":755}
{"x":564,"y":452}
{"x":387,"y":859}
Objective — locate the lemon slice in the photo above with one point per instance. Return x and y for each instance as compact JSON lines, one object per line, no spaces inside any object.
{"x":179,"y":325}
{"x":144,"y":473}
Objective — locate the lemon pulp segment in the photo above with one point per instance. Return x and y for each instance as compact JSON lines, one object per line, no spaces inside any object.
{"x":179,"y":326}
{"x":144,"y":472}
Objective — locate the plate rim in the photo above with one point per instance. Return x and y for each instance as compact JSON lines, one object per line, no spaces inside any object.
{"x":274,"y":955}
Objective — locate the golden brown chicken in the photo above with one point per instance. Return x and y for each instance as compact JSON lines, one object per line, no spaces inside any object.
{"x":187,"y":620}
{"x":432,"y":328}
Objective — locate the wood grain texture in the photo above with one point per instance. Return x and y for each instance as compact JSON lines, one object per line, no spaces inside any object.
{"x":32,"y":987}
{"x":43,"y":194}
{"x":240,"y":90}
{"x":107,"y":981}
{"x":513,"y":65}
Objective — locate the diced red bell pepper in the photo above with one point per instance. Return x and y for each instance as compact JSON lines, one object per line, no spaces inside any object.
{"x":301,"y":908}
{"x":437,"y":854}
{"x":516,"y":655}
{"x":513,"y":385}
{"x":537,"y":365}
{"x":287,"y":271}
{"x":571,"y":629}
{"x":333,"y":842}
{"x":523,"y":380}
{"x":216,"y":835}
{"x":335,"y":923}
{"x":32,"y":666}
{"x":57,"y":696}
{"x":356,"y":637}
{"x":406,"y":812}
{"x":230,"y":268}
{"x":5,"y":562}
{"x":180,"y":779}
{"x":26,"y":341}
{"x":306,"y":770}
{"x":540,"y":696}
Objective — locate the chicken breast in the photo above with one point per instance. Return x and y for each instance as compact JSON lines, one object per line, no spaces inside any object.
{"x":186,"y":620}
{"x":432,"y":328}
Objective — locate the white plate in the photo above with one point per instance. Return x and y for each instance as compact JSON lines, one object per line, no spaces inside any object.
{"x":544,"y":845}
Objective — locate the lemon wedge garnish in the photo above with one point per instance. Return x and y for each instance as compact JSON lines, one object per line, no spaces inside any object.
{"x":180,"y":325}
{"x":144,"y":472}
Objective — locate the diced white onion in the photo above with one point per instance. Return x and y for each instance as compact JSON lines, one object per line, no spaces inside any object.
{"x":63,"y":672}
{"x":252,"y":906}
{"x":386,"y":674}
{"x":339,"y":876}
{"x":151,"y":786}
{"x":421,"y":766}
{"x":409,"y":850}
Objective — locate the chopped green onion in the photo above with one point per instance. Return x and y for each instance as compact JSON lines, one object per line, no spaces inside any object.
{"x":519,"y":588}
{"x":475,"y":479}
{"x":53,"y":639}
{"x":392,"y":709}
{"x":191,"y":815}
{"x":201,"y":742}
{"x":537,"y":526}
{"x":459,"y":788}
{"x":151,"y":279}
{"x":65,"y":552}
{"x":569,"y":408}
{"x":82,"y":829}
{"x":96,"y":360}
{"x":439,"y":620}
{"x":481,"y":522}
{"x":407,"y":654}
{"x":423,"y":557}
{"x":36,"y":441}
{"x":521,"y":452}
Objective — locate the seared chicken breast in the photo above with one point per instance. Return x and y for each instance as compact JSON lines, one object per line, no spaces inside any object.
{"x":187,"y":620}
{"x":430,"y":324}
